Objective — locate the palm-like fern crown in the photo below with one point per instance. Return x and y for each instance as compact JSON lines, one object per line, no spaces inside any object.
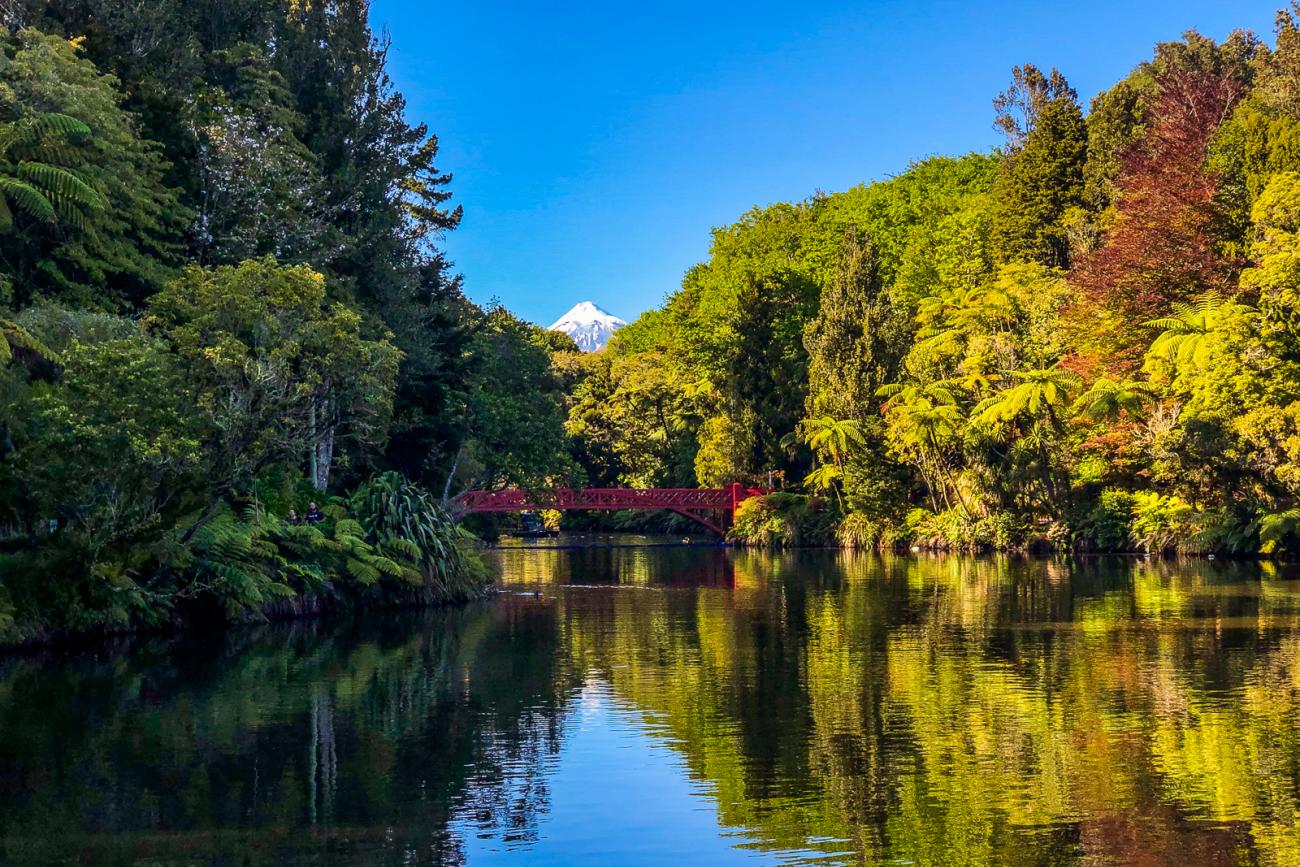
{"x":1038,"y":392}
{"x":831,"y":436}
{"x":34,"y":178}
{"x":1185,"y":333}
{"x":1107,"y":398}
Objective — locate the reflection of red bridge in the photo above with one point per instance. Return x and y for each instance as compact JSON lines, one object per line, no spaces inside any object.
{"x":712,"y":507}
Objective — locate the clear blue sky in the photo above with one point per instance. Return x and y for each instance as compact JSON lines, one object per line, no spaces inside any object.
{"x":594,"y":145}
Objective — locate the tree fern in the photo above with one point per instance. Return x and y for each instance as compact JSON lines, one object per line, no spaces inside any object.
{"x":1277,"y":528}
{"x":1185,"y":335}
{"x":32,"y":180}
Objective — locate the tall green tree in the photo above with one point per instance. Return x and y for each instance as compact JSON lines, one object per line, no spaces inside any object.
{"x":1041,"y":179}
{"x":855,"y":342}
{"x":108,"y":257}
{"x":513,"y":432}
{"x":855,"y":345}
{"x":766,"y":380}
{"x":260,"y":190}
{"x":280,"y":374}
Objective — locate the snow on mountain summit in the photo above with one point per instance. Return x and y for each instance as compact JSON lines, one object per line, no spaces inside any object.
{"x":588,"y":325}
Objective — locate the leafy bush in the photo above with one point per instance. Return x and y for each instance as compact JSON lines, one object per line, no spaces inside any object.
{"x":783,"y":520}
{"x":954,"y":530}
{"x":404,"y":521}
{"x":388,"y":543}
{"x":1106,"y":526}
{"x":1223,"y":530}
{"x":1161,"y":523}
{"x":857,"y":530}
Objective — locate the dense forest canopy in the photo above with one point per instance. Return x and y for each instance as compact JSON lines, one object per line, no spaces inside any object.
{"x":1083,"y":340}
{"x":222,"y":298}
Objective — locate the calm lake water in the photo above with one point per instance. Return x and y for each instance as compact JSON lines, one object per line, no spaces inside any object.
{"x":680,"y":706}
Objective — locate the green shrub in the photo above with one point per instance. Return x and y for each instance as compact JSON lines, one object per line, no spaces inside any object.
{"x":1161,"y":523}
{"x":1106,"y":526}
{"x":1224,"y":530}
{"x":954,"y":530}
{"x":387,"y":543}
{"x":781,"y":520}
{"x":403,"y":520}
{"x":859,"y":531}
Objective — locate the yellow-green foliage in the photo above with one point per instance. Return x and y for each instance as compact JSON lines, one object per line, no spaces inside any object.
{"x":784,"y":520}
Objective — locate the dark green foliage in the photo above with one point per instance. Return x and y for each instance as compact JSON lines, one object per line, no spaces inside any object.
{"x":513,"y":429}
{"x":765,"y":382}
{"x":118,"y":232}
{"x":1106,"y":526}
{"x":404,"y":521}
{"x":32,"y":185}
{"x":431,"y":403}
{"x":170,"y":161}
{"x":856,"y":341}
{"x":855,"y":345}
{"x":1042,"y":177}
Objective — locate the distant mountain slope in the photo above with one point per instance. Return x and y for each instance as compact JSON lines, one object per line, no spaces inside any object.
{"x":588,"y":325}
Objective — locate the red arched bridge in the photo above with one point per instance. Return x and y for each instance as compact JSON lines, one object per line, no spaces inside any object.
{"x":712,"y":507}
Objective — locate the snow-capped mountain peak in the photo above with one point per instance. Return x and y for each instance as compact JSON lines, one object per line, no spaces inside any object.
{"x":588,"y":325}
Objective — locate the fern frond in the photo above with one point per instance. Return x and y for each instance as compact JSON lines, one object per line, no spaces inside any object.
{"x":364,"y":573}
{"x":28,"y":199}
{"x":349,"y":527}
{"x":31,"y":131}
{"x":60,"y":183}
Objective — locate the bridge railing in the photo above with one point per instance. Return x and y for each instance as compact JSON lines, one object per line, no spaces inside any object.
{"x":705,"y":506}
{"x":517,"y":500}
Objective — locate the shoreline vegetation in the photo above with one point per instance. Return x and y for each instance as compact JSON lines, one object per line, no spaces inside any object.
{"x":1087,"y":340}
{"x":222,"y":298}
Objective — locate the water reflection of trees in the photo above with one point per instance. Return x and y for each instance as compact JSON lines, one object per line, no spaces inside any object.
{"x":641,"y":566}
{"x":930,"y":710}
{"x":976,"y":711}
{"x":300,"y":739}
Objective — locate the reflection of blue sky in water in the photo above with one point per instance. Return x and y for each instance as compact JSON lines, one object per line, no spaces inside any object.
{"x":613,"y":755}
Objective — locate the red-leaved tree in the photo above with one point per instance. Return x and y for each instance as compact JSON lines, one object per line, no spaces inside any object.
{"x":1161,"y":246}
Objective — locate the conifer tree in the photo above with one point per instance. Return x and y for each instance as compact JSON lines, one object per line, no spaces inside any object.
{"x":1041,"y":177}
{"x":853,"y":343}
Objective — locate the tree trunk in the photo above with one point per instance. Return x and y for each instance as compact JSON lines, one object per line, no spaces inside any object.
{"x":323,"y":458}
{"x":929,"y":485}
{"x":320,"y":455}
{"x":312,"y":456}
{"x":451,"y":474}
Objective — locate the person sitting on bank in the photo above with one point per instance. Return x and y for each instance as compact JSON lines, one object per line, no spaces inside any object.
{"x":293,"y":517}
{"x":313,"y":514}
